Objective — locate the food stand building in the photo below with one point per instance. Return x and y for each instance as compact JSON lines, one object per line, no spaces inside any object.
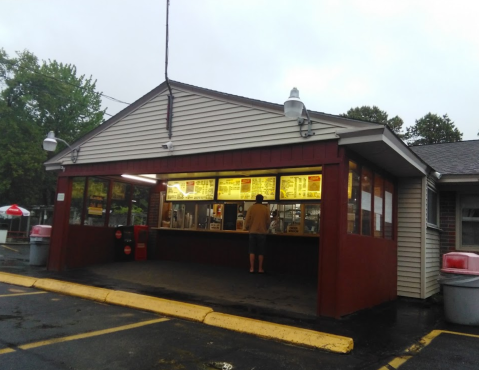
{"x":350,"y":198}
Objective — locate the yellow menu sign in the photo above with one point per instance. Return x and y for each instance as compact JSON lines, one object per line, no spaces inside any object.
{"x":190,"y":190}
{"x":300,"y":187}
{"x":246,"y":188}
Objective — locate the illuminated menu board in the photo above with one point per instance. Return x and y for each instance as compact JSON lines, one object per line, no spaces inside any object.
{"x":246,"y":188}
{"x":190,"y":190}
{"x":300,"y":187}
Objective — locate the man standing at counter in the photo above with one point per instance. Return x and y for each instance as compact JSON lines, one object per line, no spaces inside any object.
{"x":257,"y":222}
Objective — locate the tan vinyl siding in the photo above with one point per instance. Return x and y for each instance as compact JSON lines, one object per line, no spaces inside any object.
{"x":409,"y":237}
{"x":433,"y":262}
{"x":200,"y":124}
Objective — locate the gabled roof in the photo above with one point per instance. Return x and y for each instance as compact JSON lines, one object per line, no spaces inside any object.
{"x":459,"y":158}
{"x":206,"y":121}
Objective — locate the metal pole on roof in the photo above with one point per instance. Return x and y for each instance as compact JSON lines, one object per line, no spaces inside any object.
{"x":169,"y":113}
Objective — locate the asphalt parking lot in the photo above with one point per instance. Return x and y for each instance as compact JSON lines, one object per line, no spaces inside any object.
{"x":44,"y":330}
{"x":406,"y":333}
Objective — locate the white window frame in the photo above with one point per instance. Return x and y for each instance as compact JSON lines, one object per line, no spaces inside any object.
{"x":459,"y":245}
{"x":434,"y":224}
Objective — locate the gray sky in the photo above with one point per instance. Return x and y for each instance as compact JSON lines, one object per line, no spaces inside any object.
{"x":407,"y":57}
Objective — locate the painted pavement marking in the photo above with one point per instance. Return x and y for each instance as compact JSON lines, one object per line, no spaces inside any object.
{"x":20,"y":294}
{"x":417,"y":347}
{"x":4,"y":246}
{"x":81,"y":336}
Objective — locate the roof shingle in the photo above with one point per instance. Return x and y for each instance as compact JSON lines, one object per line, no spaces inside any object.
{"x":459,"y":158}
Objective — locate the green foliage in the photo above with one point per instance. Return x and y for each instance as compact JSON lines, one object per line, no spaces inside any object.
{"x":375,"y":115}
{"x":432,"y":129}
{"x":35,"y":98}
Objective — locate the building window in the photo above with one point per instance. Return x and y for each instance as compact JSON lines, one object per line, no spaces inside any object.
{"x":76,"y":204}
{"x":353,"y":198}
{"x":432,"y":208}
{"x":120,"y":204}
{"x":97,"y":196}
{"x":366,"y":189}
{"x":388,"y":210}
{"x":378,"y":206}
{"x":469,"y":213}
{"x":96,"y":201}
{"x":370,"y":203}
{"x":139,"y":205}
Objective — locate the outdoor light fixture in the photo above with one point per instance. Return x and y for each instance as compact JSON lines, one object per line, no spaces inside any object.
{"x":50,"y":144}
{"x":168,"y":145}
{"x":293,"y":108}
{"x":139,"y":178}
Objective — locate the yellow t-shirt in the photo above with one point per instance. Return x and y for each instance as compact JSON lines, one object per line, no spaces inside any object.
{"x":257,"y":219}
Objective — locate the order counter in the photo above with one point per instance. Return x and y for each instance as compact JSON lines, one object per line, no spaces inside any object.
{"x":297,"y":219}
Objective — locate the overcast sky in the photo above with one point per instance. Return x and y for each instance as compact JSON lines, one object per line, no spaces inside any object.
{"x":408,"y":58}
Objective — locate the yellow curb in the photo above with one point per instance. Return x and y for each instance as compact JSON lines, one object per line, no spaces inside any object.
{"x":159,"y":305}
{"x":78,"y":290}
{"x":285,"y":333}
{"x":14,"y":279}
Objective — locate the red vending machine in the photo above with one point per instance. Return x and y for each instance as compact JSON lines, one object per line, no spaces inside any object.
{"x":140,"y":234}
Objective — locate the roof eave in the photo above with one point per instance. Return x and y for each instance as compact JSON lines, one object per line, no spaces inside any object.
{"x":382,"y":147}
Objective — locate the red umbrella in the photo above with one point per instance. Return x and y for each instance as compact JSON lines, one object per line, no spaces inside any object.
{"x":14,"y":210}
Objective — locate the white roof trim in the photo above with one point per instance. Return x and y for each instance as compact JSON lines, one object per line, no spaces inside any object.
{"x":446,"y":179}
{"x":360,"y":142}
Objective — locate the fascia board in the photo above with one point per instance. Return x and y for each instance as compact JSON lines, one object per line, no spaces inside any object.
{"x":454,"y":179}
{"x":369,"y":135}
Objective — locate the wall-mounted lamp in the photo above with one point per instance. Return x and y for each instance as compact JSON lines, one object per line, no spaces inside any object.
{"x":139,"y":178}
{"x":437,"y":175}
{"x":293,"y":108}
{"x":50,"y":144}
{"x":168,"y":145}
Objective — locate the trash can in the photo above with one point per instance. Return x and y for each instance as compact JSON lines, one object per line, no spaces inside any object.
{"x":460,"y":283}
{"x":3,"y":233}
{"x":40,"y":244}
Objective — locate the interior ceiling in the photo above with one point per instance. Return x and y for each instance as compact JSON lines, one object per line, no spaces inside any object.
{"x":244,"y":173}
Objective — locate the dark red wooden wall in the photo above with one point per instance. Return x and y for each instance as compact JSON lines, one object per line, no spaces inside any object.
{"x":353,"y":272}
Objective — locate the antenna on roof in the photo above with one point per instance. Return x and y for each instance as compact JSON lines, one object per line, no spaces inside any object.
{"x":169,"y":112}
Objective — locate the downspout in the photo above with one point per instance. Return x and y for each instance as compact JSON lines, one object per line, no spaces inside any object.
{"x":169,"y":112}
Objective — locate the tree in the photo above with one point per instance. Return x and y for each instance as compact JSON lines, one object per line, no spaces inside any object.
{"x":35,"y":98}
{"x":375,"y":115}
{"x":432,"y":129}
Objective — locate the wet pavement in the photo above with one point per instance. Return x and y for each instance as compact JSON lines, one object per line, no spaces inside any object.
{"x":380,"y":334}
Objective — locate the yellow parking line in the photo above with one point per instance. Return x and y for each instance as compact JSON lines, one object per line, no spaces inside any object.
{"x":82,"y":336}
{"x":6,"y":350}
{"x":417,"y":347}
{"x":19,"y":294}
{"x":4,"y":246}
